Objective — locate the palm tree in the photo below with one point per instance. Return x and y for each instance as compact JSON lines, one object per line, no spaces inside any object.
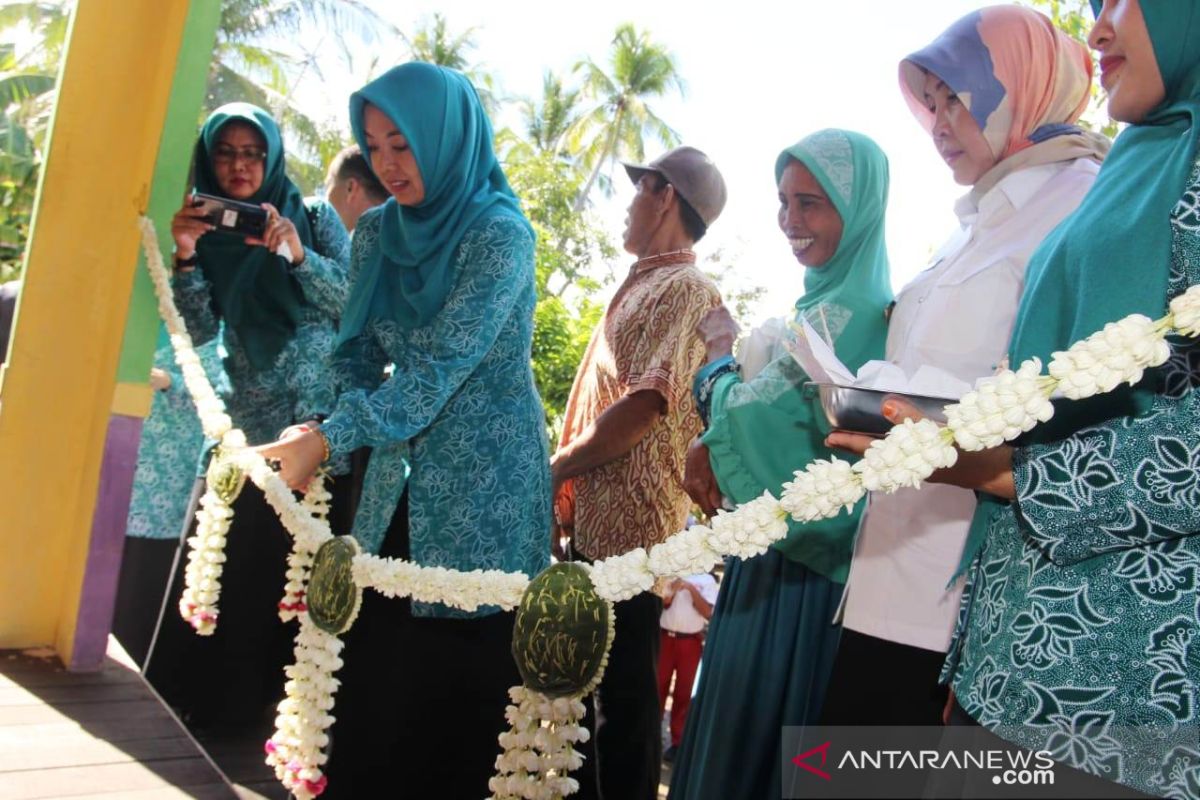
{"x":433,"y":43}
{"x":545,"y":123}
{"x":245,"y":68}
{"x":620,"y":120}
{"x":26,"y":100}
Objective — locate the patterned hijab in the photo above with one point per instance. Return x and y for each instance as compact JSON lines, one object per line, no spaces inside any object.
{"x":769,"y":425}
{"x":1024,"y":82}
{"x":853,"y":171}
{"x":1112,"y":257}
{"x":253,"y":289}
{"x":409,"y":275}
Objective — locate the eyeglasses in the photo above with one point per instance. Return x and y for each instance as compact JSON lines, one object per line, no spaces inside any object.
{"x":224,"y":154}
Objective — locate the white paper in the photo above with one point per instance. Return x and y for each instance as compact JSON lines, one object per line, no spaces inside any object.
{"x":284,"y":252}
{"x":817,"y":359}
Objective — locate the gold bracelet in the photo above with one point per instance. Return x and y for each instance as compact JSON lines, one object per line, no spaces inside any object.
{"x":324,"y":440}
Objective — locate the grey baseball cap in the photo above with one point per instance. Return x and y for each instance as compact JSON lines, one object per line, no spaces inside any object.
{"x":694,"y":176}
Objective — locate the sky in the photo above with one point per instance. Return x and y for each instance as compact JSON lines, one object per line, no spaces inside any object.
{"x":759,"y":76}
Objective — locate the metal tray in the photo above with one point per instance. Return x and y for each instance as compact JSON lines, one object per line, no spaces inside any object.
{"x":859,"y":410}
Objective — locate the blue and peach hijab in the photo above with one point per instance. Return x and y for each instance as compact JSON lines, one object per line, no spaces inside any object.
{"x":1023,"y":80}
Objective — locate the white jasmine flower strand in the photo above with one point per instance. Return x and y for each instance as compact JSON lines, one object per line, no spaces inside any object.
{"x":296,"y":751}
{"x":205,"y":562}
{"x":821,"y":490}
{"x":465,"y":590}
{"x":1002,"y":407}
{"x":1119,"y":353}
{"x":624,"y":576}
{"x":538,"y":749}
{"x":906,"y":456}
{"x":749,"y":530}
{"x":1185,"y":312}
{"x":686,"y":553}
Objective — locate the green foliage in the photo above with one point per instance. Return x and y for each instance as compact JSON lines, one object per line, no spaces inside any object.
{"x":245,"y":68}
{"x":26,"y":100}
{"x":570,"y":245}
{"x":434,"y":43}
{"x":619,"y":119}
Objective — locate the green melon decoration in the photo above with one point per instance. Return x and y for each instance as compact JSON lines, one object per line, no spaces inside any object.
{"x":563,"y":632}
{"x":333,"y":598}
{"x":224,"y":477}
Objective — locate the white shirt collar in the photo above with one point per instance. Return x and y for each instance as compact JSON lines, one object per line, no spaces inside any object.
{"x":1013,"y":190}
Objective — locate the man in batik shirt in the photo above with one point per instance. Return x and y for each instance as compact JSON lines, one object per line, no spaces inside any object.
{"x":618,"y":472}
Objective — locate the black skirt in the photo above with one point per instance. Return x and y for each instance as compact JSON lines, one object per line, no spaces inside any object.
{"x":231,"y":681}
{"x":422,"y":700}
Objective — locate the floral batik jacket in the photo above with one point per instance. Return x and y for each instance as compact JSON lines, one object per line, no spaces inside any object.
{"x":1079,"y":630}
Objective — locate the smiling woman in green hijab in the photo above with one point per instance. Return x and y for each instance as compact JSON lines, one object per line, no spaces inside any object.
{"x":277,"y":318}
{"x":1079,"y":632}
{"x":772,"y":640}
{"x":459,"y":475}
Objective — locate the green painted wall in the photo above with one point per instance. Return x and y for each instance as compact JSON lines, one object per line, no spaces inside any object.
{"x":170,"y":181}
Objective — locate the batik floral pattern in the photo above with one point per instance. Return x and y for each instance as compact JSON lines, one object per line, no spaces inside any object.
{"x":459,"y":421}
{"x":298,"y":386}
{"x":1080,"y":625}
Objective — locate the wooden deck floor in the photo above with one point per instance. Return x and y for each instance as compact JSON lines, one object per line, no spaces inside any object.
{"x":93,"y":736}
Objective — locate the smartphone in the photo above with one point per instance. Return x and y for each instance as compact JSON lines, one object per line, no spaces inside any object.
{"x":231,"y":216}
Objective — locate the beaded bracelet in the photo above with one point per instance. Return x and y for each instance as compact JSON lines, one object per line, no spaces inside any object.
{"x":324,"y":440}
{"x":707,"y":379}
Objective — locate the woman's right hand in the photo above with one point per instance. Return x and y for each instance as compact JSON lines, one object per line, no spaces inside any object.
{"x":187,"y":226}
{"x":699,"y":481}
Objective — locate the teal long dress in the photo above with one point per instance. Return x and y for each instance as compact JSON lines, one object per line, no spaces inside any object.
{"x":772,"y":639}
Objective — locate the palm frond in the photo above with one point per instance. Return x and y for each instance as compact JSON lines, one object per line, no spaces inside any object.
{"x":18,"y":87}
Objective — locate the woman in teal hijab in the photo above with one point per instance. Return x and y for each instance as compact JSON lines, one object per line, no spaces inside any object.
{"x":772,"y":639}
{"x":276,"y":310}
{"x":1080,"y":631}
{"x":459,"y":474}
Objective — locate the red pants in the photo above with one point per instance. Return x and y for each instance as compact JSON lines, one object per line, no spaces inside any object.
{"x":679,"y":655}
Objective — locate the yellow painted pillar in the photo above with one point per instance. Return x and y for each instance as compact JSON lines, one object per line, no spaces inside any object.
{"x":58,"y":385}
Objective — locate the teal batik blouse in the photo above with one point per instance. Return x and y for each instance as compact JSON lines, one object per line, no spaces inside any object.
{"x":169,"y":450}
{"x":459,"y":421}
{"x":299,"y":385}
{"x":1079,"y":630}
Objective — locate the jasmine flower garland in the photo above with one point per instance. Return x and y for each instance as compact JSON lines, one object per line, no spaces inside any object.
{"x":1185,"y":312}
{"x":1117,"y":354}
{"x":1002,"y":407}
{"x":998,"y":410}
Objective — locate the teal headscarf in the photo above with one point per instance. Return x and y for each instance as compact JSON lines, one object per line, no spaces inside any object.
{"x":768,"y":427}
{"x":853,"y":171}
{"x":253,"y":289}
{"x":1112,"y":257}
{"x":407,"y":277}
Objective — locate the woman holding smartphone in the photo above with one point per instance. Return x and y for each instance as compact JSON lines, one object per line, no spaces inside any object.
{"x":279,"y":297}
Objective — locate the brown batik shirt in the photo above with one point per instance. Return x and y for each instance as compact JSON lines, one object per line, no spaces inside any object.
{"x":647,"y":340}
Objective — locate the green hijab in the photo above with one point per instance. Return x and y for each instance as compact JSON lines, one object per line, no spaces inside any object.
{"x":408,"y":276}
{"x":1112,"y":257}
{"x":853,"y":171}
{"x":253,"y":289}
{"x":768,"y":427}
